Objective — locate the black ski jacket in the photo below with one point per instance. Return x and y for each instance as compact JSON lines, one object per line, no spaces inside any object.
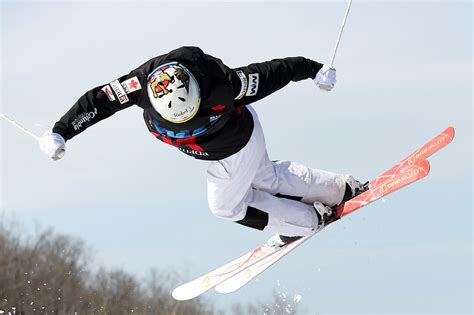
{"x":222,"y":125}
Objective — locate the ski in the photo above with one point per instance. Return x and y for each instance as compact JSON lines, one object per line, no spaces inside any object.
{"x":208,"y":281}
{"x":202,"y":284}
{"x":223,"y":274}
{"x":425,"y":151}
{"x":389,"y":181}
{"x":406,"y":176}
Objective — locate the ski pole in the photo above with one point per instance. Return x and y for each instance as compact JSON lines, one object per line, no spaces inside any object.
{"x":11,"y":121}
{"x":340,"y":33}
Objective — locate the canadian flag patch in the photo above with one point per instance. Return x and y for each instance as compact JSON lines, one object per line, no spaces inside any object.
{"x":108,"y":91}
{"x":131,"y":85}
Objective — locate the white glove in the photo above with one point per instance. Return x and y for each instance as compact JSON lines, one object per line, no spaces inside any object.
{"x":325,"y":78}
{"x":53,"y":145}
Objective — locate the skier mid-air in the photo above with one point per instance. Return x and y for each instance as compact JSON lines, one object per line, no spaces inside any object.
{"x":196,"y":103}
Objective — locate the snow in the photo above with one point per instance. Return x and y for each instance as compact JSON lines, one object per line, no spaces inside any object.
{"x":283,"y":304}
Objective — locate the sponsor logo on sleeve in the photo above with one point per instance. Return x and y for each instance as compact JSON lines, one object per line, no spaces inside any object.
{"x":243,"y":84}
{"x":108,"y":91}
{"x":253,"y":84}
{"x":119,"y":91}
{"x":84,"y":118}
{"x":131,"y":85}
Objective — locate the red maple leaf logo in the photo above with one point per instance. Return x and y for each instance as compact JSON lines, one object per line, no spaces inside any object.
{"x":218,"y":108}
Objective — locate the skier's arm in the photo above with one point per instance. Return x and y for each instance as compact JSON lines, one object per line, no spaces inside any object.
{"x":97,"y":104}
{"x":257,"y":80}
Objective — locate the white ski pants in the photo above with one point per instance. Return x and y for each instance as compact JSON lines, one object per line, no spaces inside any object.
{"x":249,"y":180}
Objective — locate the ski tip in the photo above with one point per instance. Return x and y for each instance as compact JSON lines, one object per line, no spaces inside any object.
{"x":175,"y":295}
{"x":179,"y":294}
{"x":450,"y":132}
{"x":424,"y":165}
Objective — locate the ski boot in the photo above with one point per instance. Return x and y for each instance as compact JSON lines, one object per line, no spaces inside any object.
{"x":353,"y":188}
{"x":324,"y":214}
{"x":278,"y":240}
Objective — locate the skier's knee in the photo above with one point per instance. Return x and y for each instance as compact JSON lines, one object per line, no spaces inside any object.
{"x":247,"y":216}
{"x":227,"y":212}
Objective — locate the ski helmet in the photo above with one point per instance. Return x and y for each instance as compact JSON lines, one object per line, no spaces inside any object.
{"x":174,"y":92}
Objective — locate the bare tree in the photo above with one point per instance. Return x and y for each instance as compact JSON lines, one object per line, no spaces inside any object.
{"x":49,"y":273}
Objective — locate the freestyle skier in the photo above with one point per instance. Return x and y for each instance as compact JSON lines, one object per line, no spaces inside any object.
{"x":196,"y":103}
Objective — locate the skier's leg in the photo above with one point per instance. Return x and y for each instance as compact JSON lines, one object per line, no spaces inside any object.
{"x":231,"y":195}
{"x":298,"y":182}
{"x":295,"y":181}
{"x":247,"y":188}
{"x":263,"y":211}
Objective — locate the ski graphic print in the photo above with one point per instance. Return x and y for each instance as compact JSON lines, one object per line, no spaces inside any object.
{"x":432,"y":146}
{"x":208,"y":281}
{"x":202,"y":284}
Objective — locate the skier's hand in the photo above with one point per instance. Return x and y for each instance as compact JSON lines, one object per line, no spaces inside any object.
{"x":53,"y":145}
{"x":325,"y":78}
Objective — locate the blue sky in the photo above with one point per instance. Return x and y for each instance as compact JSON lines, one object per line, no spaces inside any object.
{"x":404,"y":74}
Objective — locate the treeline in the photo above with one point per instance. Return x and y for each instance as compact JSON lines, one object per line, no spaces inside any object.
{"x":51,"y":273}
